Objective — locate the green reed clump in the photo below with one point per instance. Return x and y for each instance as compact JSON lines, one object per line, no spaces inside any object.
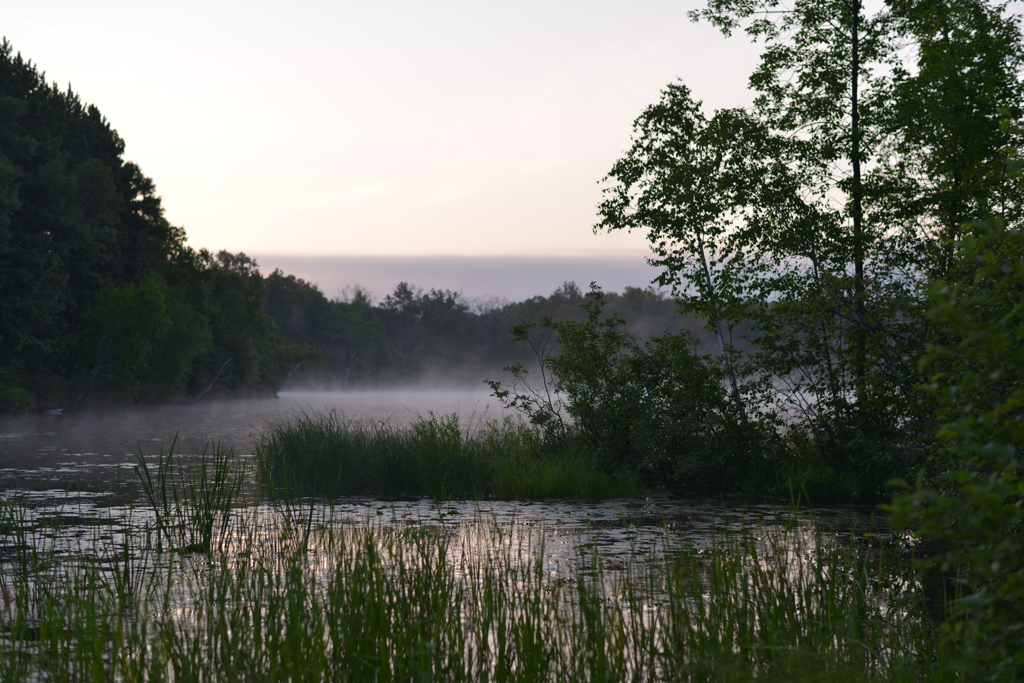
{"x":192,"y":504}
{"x":795,"y":609}
{"x":316,"y":453}
{"x":69,"y":608}
{"x":472,"y":602}
{"x":572,"y":471}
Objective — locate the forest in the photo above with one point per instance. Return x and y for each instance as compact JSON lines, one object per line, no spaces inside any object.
{"x":100,"y":298}
{"x":102,"y":302}
{"x":436,"y":337}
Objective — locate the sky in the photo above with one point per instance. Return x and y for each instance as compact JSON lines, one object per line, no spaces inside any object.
{"x":484,"y":281}
{"x":395,"y":130}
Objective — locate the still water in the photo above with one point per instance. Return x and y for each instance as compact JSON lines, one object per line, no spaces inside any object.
{"x":65,"y":467}
{"x":70,"y":520}
{"x":82,"y":451}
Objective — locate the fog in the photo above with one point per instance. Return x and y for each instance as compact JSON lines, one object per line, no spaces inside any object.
{"x":39,"y":452}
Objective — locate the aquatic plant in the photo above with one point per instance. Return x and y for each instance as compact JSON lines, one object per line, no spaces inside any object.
{"x":329,"y":454}
{"x":468,"y":602}
{"x":192,"y":505}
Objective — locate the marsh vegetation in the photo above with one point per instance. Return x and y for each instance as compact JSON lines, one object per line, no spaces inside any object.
{"x":436,"y":456}
{"x":194,"y":580}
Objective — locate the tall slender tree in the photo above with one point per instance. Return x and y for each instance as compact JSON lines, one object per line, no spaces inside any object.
{"x":820,"y":57}
{"x":679,"y":181}
{"x":872,"y":137}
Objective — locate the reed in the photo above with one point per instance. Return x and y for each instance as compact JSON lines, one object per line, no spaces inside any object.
{"x":329,"y":454}
{"x":192,"y":504}
{"x":470,"y":602}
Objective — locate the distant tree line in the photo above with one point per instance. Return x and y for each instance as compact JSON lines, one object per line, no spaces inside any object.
{"x":436,"y":336}
{"x":101,"y":301}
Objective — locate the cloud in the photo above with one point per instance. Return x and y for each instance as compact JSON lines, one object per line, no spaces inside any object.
{"x":511,"y":277}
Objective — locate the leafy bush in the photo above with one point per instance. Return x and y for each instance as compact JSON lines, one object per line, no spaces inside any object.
{"x":973,"y":506}
{"x":13,"y":397}
{"x":657,"y":408}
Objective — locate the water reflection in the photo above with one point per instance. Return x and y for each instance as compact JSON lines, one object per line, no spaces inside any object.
{"x":65,"y":468}
{"x":568,"y":533}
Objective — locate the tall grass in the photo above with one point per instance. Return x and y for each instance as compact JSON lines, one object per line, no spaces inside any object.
{"x":191,"y":505}
{"x":328,"y":454}
{"x":471,"y":603}
{"x":197,"y":585}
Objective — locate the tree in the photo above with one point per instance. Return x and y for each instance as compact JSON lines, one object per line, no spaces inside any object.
{"x":682,"y":181}
{"x":246,"y":355}
{"x":830,"y":202}
{"x":402,"y":309}
{"x":358,"y":331}
{"x":944,"y":166}
{"x":138,"y":342}
{"x":819,"y":58}
{"x":656,"y":407}
{"x":99,"y":296}
{"x":75,"y":220}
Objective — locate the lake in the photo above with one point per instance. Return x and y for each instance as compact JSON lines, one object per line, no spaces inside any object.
{"x":42,"y":452}
{"x":44,"y":457}
{"x":96,"y":577}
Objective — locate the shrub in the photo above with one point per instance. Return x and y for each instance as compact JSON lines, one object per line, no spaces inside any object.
{"x":657,"y":408}
{"x":973,"y":506}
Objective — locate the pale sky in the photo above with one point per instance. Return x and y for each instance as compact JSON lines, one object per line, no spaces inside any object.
{"x":389,"y":128}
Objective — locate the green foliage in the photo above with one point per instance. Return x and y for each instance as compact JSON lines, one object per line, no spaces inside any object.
{"x":973,"y":504}
{"x":13,"y":398}
{"x":297,"y":594}
{"x":819,"y":215}
{"x":680,"y":182}
{"x":568,"y":472}
{"x":436,"y":336}
{"x":192,"y":504}
{"x":100,"y":300}
{"x":832,"y":219}
{"x":326,"y":454}
{"x":655,"y":408}
{"x":136,"y":338}
{"x":944,"y":112}
{"x":349,"y":332}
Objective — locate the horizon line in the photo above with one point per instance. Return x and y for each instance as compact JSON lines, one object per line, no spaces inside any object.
{"x":616,"y":255}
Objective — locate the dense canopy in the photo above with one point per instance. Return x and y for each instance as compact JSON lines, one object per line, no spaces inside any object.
{"x":100,"y":299}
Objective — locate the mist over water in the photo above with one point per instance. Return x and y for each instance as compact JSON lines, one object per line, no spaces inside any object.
{"x":73,"y":470}
{"x":58,"y":451}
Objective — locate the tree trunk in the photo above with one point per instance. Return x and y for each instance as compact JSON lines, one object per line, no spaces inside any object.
{"x":718,"y":325}
{"x":216,"y":378}
{"x":860,"y":337}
